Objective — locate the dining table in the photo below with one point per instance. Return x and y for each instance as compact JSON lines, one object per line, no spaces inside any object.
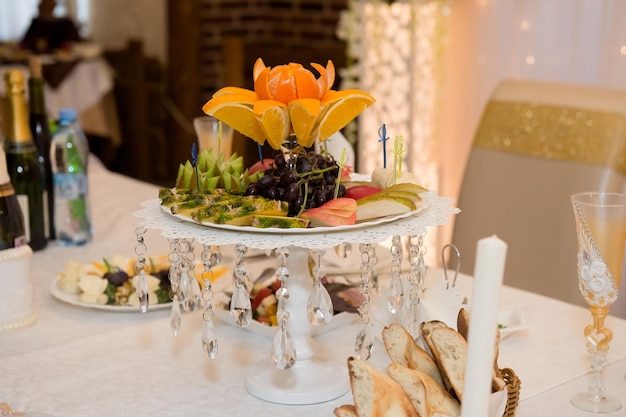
{"x":78,"y":361}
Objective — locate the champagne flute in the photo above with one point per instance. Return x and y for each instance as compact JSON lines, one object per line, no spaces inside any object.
{"x":601,"y":230}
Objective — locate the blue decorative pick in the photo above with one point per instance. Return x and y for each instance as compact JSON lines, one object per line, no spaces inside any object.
{"x":194,"y":162}
{"x":258,"y":145}
{"x":382,"y":133}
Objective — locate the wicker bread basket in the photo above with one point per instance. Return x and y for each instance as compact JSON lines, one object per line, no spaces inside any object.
{"x":513,"y":384}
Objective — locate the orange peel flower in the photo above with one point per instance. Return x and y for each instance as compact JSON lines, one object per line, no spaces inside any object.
{"x":288,"y":99}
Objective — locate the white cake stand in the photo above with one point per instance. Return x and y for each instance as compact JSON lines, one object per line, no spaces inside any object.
{"x":313,"y":378}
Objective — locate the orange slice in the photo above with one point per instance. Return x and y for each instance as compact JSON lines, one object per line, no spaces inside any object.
{"x":236,"y":110}
{"x":236,"y":91}
{"x":273,"y":116}
{"x":339,"y":108}
{"x":303,"y":113}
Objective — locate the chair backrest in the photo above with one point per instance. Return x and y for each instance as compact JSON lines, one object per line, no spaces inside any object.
{"x":537,"y":144}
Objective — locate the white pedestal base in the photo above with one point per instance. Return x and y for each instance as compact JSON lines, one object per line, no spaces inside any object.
{"x":307,"y":382}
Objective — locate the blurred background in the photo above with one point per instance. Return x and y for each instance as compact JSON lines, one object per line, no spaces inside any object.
{"x":431,"y":64}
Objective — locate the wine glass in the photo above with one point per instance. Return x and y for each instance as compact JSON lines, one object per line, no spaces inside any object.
{"x":601,"y":229}
{"x":213,"y":134}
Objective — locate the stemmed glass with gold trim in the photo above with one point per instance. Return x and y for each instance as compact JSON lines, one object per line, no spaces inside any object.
{"x":601,"y":230}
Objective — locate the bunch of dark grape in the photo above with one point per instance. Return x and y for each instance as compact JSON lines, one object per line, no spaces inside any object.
{"x":308,"y":182}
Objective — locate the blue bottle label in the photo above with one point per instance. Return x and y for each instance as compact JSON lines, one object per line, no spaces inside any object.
{"x":70,"y":186}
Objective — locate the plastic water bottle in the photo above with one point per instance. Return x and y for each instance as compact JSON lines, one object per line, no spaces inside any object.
{"x":69,"y":152}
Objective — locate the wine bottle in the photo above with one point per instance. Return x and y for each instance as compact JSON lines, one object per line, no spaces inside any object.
{"x":68,"y":157}
{"x":11,"y":218}
{"x":38,"y":121}
{"x":25,"y":169}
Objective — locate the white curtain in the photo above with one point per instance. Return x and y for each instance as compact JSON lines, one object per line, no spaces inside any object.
{"x":572,"y":41}
{"x":15,"y":16}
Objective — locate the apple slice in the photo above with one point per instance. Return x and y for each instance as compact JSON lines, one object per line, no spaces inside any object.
{"x":358,"y":192}
{"x":337,"y":212}
{"x":376,"y":206}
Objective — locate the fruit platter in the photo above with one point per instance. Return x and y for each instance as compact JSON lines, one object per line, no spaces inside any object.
{"x":298,"y":188}
{"x":302,"y":199}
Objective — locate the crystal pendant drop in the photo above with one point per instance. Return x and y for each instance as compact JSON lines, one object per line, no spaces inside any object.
{"x":175,"y":316}
{"x":209,"y":339}
{"x":319,"y":306}
{"x":184,"y":289}
{"x":396,"y":295}
{"x":240,"y":306}
{"x":283,"y":350}
{"x":194,"y":295}
{"x":364,"y":343}
{"x":414,"y":321}
{"x":142,"y":293}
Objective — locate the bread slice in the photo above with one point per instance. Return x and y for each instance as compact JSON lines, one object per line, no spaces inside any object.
{"x":427,"y":329}
{"x":403,"y":350}
{"x":462,"y":324}
{"x":428,"y":396}
{"x":376,"y":394}
{"x":450,"y":352}
{"x":346,"y":410}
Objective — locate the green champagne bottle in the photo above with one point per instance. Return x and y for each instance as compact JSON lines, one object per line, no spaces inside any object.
{"x":38,"y":120}
{"x":23,"y":163}
{"x":11,"y":219}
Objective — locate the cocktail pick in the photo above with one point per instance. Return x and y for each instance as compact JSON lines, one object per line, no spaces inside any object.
{"x":382,"y":133}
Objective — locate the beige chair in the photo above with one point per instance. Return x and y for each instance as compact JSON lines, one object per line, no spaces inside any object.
{"x":538,"y":143}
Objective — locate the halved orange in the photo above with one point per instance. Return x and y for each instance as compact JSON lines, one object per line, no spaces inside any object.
{"x":303,"y":113}
{"x":273,"y":117}
{"x":281,"y":83}
{"x":236,"y":110}
{"x":339,"y":108}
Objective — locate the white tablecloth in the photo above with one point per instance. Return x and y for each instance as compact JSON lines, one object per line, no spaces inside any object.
{"x":80,"y":362}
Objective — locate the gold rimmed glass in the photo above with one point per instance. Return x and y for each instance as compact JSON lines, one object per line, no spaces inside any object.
{"x":601,"y":230}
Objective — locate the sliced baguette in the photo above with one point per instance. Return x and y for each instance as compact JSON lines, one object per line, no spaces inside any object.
{"x":375,"y":394}
{"x":403,"y":350}
{"x":462,"y":324}
{"x":428,"y":396}
{"x":427,"y":329}
{"x":450,"y":352}
{"x":346,"y":410}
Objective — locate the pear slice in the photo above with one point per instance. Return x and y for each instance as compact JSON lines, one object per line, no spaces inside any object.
{"x":371,"y":208}
{"x":408,"y":187}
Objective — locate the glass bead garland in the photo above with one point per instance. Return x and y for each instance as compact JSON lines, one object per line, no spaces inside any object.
{"x":364,"y":343}
{"x":283,"y":353}
{"x":240,"y":305}
{"x":395,"y":300}
{"x":142,"y":288}
{"x":417,"y":273}
{"x":211,"y":256}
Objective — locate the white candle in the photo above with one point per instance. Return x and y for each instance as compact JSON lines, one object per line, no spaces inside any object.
{"x":488,"y":273}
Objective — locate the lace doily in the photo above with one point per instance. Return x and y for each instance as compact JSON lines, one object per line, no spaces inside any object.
{"x":438,"y":213}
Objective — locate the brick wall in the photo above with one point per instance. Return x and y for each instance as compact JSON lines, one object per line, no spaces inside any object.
{"x":287,"y":26}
